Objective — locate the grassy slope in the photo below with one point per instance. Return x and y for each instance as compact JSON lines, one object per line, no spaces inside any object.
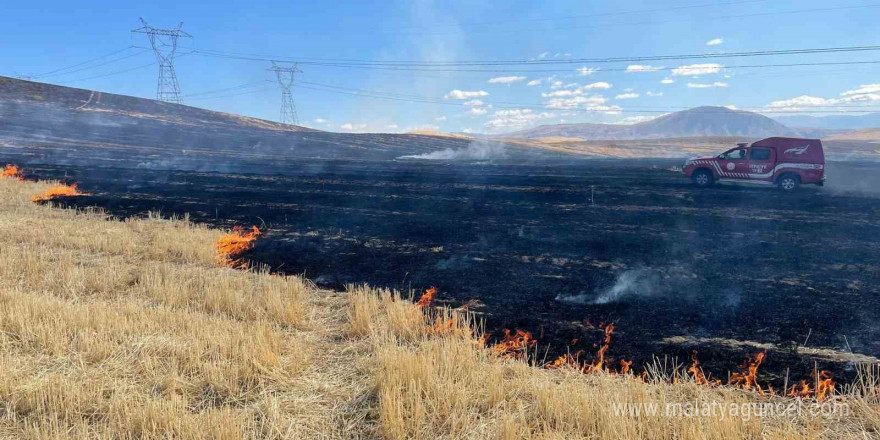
{"x":129,"y":329}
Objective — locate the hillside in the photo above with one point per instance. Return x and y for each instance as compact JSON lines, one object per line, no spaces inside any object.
{"x":695,"y":122}
{"x":835,"y":122}
{"x":867,"y":135}
{"x":47,"y":123}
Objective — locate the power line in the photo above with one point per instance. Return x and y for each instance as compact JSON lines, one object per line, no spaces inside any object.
{"x":115,"y":60}
{"x":51,"y":72}
{"x":251,"y":92}
{"x":367,"y":63}
{"x":226,"y":89}
{"x":662,"y":68}
{"x":118,"y":72}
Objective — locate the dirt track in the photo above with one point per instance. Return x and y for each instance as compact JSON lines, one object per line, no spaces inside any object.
{"x":726,"y":270}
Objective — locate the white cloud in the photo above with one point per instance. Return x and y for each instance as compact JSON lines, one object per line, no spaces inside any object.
{"x":320,"y":120}
{"x":667,"y":81}
{"x":868,"y":93}
{"x":697,"y":69}
{"x":629,"y":120}
{"x":627,"y":96}
{"x":863,"y":90}
{"x":515,"y":118}
{"x":423,"y":127}
{"x":534,"y":82}
{"x":590,"y":103}
{"x":477,"y":111}
{"x":392,"y":126}
{"x":543,"y":55}
{"x":473,"y":103}
{"x":642,"y":68}
{"x":568,"y":91}
{"x":706,"y":86}
{"x":558,"y":93}
{"x":586,"y":71}
{"x":464,"y":94}
{"x":506,"y":79}
{"x":348,"y":126}
{"x":557,"y":85}
{"x":598,"y":85}
{"x":576,"y":102}
{"x":654,"y":93}
{"x":714,"y":42}
{"x":440,"y":118}
{"x":800,"y":101}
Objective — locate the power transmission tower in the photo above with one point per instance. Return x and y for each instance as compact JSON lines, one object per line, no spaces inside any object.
{"x":164,"y":44}
{"x":285,"y":76}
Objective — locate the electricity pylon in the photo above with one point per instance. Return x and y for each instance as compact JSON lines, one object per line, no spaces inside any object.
{"x":164,"y":44}
{"x":285,"y":76}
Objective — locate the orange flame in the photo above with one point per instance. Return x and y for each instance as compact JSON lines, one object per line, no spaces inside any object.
{"x":824,"y":387}
{"x":59,"y":190}
{"x":697,"y":372}
{"x":514,"y":345}
{"x":11,"y":172}
{"x":231,"y":246}
{"x":599,"y":365}
{"x":426,"y":299}
{"x":747,"y":376}
{"x":566,"y":360}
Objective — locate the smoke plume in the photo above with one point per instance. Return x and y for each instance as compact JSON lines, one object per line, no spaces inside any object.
{"x":640,"y":282}
{"x":477,"y":150}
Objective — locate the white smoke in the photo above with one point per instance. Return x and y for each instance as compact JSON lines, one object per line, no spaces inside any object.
{"x":582,"y":298}
{"x":638,"y":282}
{"x":477,"y":150}
{"x":641,"y":282}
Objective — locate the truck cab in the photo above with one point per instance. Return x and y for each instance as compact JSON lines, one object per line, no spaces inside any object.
{"x":785,"y":162}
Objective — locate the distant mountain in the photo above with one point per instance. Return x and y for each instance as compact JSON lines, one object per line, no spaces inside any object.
{"x":695,"y":122}
{"x":838,"y":122}
{"x":866,"y":135}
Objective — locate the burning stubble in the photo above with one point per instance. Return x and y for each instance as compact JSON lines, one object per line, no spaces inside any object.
{"x":56,"y":191}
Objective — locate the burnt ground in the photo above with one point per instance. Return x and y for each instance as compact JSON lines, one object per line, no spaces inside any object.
{"x":727,"y":270}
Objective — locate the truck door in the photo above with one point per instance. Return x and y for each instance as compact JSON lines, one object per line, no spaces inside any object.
{"x":761,"y":163}
{"x":734,"y":164}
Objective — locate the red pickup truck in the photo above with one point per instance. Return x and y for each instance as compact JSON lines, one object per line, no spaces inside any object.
{"x":785,"y":162}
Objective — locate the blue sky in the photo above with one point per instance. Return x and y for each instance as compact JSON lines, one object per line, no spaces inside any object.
{"x":42,"y":36}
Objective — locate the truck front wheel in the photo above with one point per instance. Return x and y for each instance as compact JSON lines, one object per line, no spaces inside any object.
{"x":703,"y":178}
{"x":789,"y":183}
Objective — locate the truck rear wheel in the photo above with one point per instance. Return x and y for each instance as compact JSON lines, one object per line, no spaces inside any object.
{"x":703,"y":178}
{"x":789,"y":182}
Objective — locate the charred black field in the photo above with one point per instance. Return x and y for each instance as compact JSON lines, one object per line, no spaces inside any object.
{"x":559,"y":250}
